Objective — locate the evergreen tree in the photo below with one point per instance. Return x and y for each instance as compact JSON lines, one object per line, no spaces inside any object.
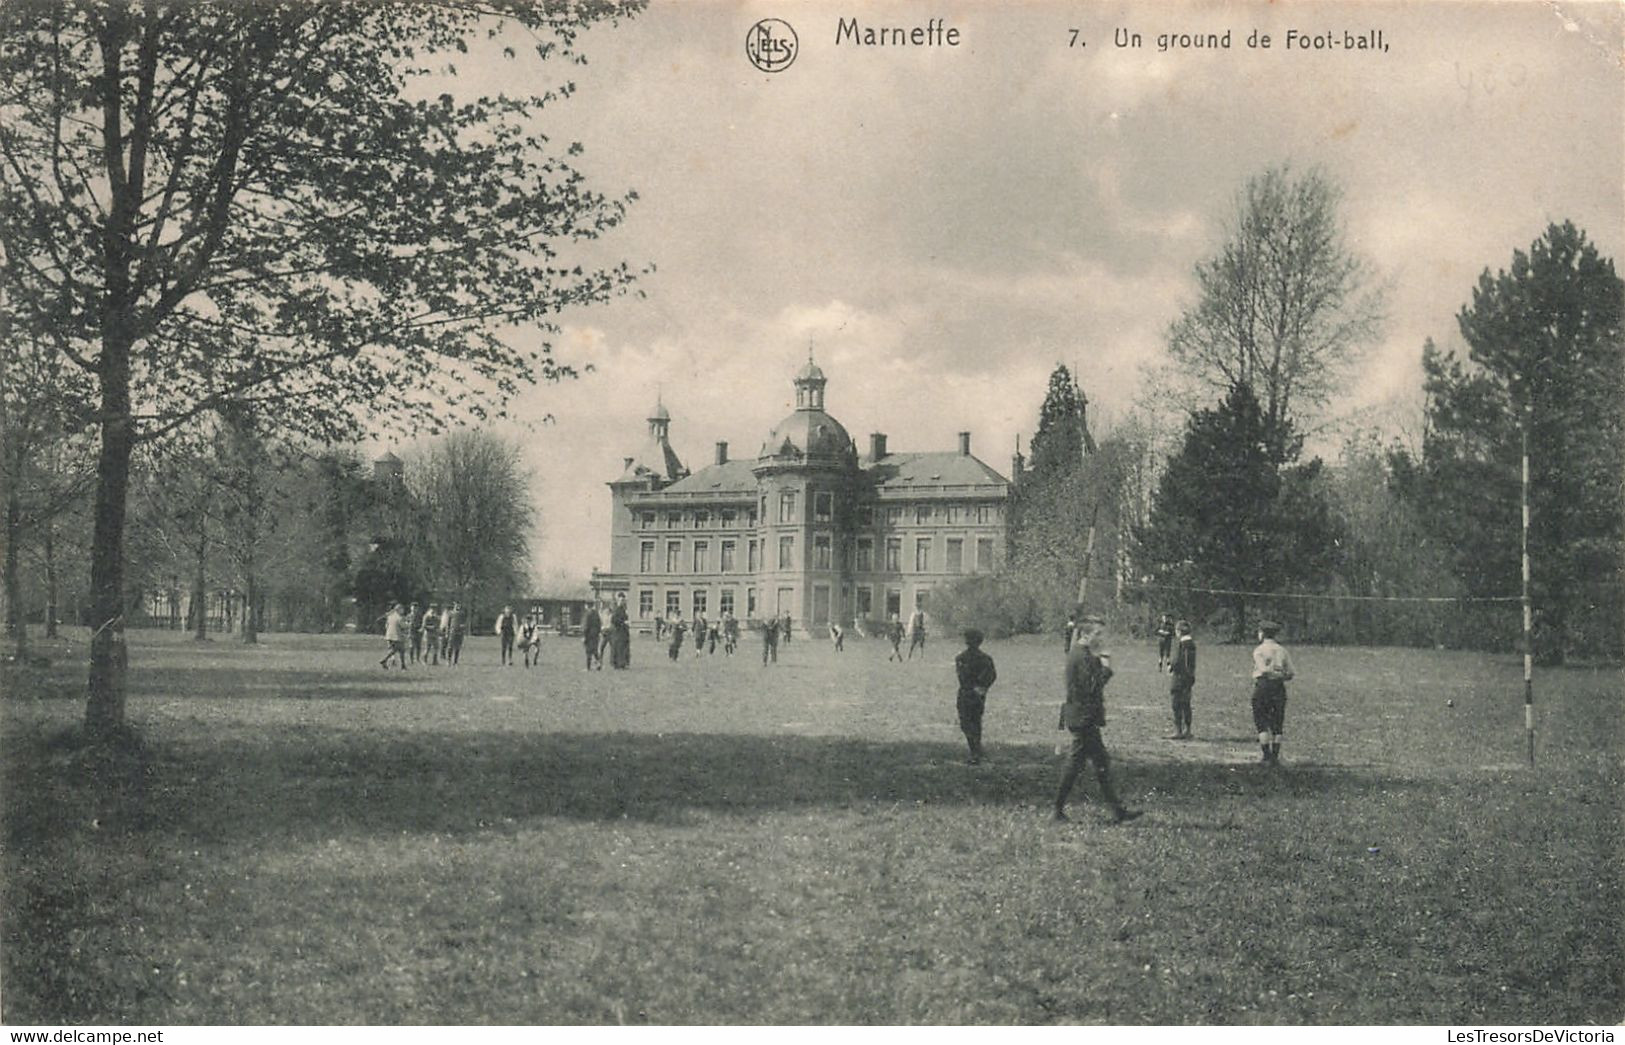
{"x":1062,"y":438}
{"x":1232,"y":512}
{"x":1545,"y":351}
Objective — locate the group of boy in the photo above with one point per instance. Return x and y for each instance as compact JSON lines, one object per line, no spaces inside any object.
{"x":1083,"y":711}
{"x":424,"y":635}
{"x":915,"y":631}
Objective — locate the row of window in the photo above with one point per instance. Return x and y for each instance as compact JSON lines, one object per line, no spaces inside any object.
{"x":861,"y":551}
{"x":864,"y":607}
{"x":823,"y":512}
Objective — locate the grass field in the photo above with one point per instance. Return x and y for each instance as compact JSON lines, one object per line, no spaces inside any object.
{"x":305,"y":838}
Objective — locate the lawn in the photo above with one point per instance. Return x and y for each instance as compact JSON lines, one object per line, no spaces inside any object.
{"x":305,"y":838}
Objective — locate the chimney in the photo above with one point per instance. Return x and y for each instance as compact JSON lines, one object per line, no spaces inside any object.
{"x":964,"y":444}
{"x":627,"y":463}
{"x":1017,"y":462}
{"x":722,"y":453}
{"x":877,"y":445}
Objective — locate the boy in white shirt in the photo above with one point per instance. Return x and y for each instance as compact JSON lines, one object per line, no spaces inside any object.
{"x":1272,"y":669}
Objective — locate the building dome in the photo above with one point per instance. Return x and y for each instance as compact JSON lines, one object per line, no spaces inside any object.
{"x":807,"y":433}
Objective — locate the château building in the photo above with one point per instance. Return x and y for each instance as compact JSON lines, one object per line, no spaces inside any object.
{"x":808,"y":527}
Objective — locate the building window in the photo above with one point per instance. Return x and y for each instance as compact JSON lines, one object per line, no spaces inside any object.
{"x":951,"y":514}
{"x":866,"y":603}
{"x":984,"y":554}
{"x":702,"y":556}
{"x":787,"y":507}
{"x":894,"y":554}
{"x":725,"y":601}
{"x":894,"y":515}
{"x":750,"y":517}
{"x":865,"y":556}
{"x":646,"y":603}
{"x":646,"y":521}
{"x":956,"y":555}
{"x":822,"y":560}
{"x":727,"y":556}
{"x":984,"y":513}
{"x":702,"y":520}
{"x":823,"y":507}
{"x":646,"y":557}
{"x":894,"y":603}
{"x":922,"y":555}
{"x":787,"y":553}
{"x":866,"y":515}
{"x":922,"y":514}
{"x":699,"y":606}
{"x":753,"y":556}
{"x":728,"y":516}
{"x":750,"y":602}
{"x":674,"y":604}
{"x":919,"y":598}
{"x":674,"y":520}
{"x":674,"y":556}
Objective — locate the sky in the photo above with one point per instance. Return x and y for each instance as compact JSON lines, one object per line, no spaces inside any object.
{"x":941,"y":225}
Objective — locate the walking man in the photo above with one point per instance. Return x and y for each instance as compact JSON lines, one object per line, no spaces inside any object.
{"x":414,"y":624}
{"x":894,"y":635}
{"x":395,"y":624}
{"x":1083,"y":715}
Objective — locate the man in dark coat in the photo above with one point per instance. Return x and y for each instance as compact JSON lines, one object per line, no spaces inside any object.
{"x":976,"y":676}
{"x":1083,"y":715}
{"x":1183,"y":672}
{"x":620,"y":630}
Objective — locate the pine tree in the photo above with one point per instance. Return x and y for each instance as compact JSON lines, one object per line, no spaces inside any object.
{"x":1545,"y":349}
{"x":1232,"y":512}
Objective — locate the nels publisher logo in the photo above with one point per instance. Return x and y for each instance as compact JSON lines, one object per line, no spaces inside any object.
{"x":771,"y":45}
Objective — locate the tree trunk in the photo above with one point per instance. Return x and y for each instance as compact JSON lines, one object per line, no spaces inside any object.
{"x":16,"y":619}
{"x":1240,"y":602}
{"x":104,"y":705}
{"x":200,"y":585}
{"x":50,"y":581}
{"x":251,"y":597}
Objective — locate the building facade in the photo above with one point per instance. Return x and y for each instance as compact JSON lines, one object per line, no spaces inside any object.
{"x":808,"y":528}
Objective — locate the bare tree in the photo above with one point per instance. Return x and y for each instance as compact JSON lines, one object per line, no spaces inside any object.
{"x":1285,"y":305}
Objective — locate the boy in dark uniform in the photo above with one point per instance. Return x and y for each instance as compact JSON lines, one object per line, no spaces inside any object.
{"x":976,"y":676}
{"x":676,"y":644}
{"x":730,"y":633}
{"x":431,"y":634}
{"x":770,"y":639}
{"x":1165,"y":641}
{"x":415,"y":623}
{"x":894,"y":634}
{"x":1083,"y":715}
{"x":1272,"y":669}
{"x":1183,"y":672}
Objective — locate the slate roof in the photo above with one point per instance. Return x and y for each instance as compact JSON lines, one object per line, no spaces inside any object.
{"x":904,"y":471}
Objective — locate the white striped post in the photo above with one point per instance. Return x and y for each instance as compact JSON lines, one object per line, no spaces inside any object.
{"x":1528,"y":613}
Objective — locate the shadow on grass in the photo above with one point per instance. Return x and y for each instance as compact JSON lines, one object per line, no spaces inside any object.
{"x":305,"y":782}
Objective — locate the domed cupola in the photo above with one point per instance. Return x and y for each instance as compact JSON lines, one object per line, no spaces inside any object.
{"x":809,"y":431}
